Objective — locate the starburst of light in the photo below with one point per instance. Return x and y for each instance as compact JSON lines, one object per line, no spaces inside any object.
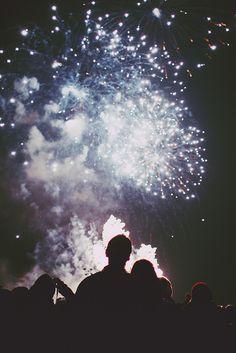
{"x":108,"y":98}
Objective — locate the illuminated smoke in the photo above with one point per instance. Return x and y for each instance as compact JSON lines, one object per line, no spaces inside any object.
{"x":83,"y":252}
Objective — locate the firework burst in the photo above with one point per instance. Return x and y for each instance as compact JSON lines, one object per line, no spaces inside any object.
{"x":103,"y":101}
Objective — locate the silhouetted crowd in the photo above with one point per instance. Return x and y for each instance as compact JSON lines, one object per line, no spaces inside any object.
{"x":114,"y":311}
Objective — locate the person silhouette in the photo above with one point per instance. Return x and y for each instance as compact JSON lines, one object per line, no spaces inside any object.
{"x":103,"y":301}
{"x":107,"y":290}
{"x":41,"y":315}
{"x":147,"y":286}
{"x":203,"y":320}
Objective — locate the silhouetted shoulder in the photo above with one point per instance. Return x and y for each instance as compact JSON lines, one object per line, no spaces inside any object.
{"x":88,"y":283}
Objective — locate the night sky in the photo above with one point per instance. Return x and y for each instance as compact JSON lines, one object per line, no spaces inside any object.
{"x":190,"y":249}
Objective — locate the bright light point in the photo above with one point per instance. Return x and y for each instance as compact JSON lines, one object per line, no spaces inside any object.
{"x":18,"y":236}
{"x":54,"y":8}
{"x":156,"y":12}
{"x":56,"y":64}
{"x":154,"y":50}
{"x":200,"y":65}
{"x":213,"y":47}
{"x":13,"y":153}
{"x":25,"y":32}
{"x":203,"y":219}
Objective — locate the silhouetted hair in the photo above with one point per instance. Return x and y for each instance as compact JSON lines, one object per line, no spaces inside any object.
{"x":20,"y":294}
{"x":201,"y":293}
{"x":43,"y":286}
{"x":166,"y":287}
{"x":119,"y":247}
{"x":20,"y":291}
{"x":143,"y":269}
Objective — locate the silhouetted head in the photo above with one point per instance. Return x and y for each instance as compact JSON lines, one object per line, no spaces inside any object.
{"x":143,"y":270}
{"x":118,"y":250}
{"x":147,"y":284}
{"x":201,"y":293}
{"x":20,"y":295}
{"x":20,"y":291}
{"x":166,"y":288}
{"x":43,"y":288}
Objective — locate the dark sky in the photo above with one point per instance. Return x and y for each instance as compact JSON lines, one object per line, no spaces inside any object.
{"x":207,"y":249}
